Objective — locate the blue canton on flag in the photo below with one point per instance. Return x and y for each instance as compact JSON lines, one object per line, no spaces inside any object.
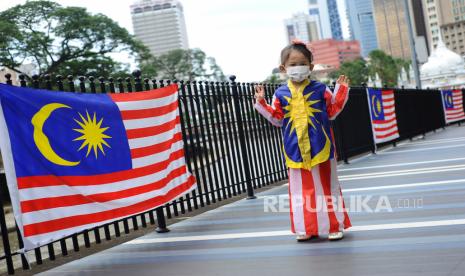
{"x":376,"y":103}
{"x":448,"y":99}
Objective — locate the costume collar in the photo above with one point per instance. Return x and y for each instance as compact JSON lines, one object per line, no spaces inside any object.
{"x":294,"y":89}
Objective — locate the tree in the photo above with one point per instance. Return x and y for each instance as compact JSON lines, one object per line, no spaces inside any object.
{"x":64,"y":40}
{"x":386,"y":67}
{"x":191,"y":64}
{"x":356,"y":70}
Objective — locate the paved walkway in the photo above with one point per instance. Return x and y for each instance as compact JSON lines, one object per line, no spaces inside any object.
{"x":424,"y":234}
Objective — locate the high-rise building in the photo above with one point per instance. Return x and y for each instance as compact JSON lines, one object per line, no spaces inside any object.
{"x":334,"y":52}
{"x":446,"y":17}
{"x":160,"y":25}
{"x":392,"y":29}
{"x":301,"y":27}
{"x":326,"y":13}
{"x":362,"y":24}
{"x":434,"y":11}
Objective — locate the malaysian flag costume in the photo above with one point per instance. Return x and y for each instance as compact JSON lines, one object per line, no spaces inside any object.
{"x":304,"y":114}
{"x":74,"y":161}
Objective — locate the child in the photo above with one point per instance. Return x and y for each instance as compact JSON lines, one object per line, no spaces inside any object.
{"x":303,"y":109}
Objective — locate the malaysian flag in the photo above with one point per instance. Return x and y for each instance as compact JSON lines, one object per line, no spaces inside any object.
{"x":74,"y":161}
{"x":453,"y":105}
{"x":383,"y":115}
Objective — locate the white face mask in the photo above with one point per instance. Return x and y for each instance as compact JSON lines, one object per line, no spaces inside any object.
{"x":298,"y":73}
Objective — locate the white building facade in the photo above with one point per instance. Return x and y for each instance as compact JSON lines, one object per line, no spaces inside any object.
{"x":301,"y":27}
{"x":160,"y":25}
{"x":326,"y":13}
{"x":444,"y":69}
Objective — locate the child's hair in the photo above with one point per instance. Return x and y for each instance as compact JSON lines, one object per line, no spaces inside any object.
{"x":296,"y":46}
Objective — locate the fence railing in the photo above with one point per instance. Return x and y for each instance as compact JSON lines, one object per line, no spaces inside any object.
{"x":229,"y":148}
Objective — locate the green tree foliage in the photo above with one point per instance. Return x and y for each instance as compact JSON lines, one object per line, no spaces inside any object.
{"x":63,"y":40}
{"x":191,"y":64}
{"x":386,"y":67}
{"x":356,"y":70}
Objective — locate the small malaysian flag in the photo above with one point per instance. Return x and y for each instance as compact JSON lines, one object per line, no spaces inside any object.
{"x":383,"y":115}
{"x":453,"y":105}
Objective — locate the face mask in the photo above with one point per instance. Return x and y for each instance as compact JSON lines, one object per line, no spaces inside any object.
{"x":298,"y":73}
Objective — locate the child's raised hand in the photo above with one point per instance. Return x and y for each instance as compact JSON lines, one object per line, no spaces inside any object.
{"x":343,"y":80}
{"x":259,"y":92}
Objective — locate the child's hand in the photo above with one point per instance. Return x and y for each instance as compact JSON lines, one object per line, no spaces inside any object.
{"x":259,"y":92}
{"x":343,"y":80}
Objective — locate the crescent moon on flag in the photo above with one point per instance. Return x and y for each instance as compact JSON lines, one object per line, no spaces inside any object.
{"x":374,"y":106}
{"x":41,"y":140}
{"x":449,"y":100}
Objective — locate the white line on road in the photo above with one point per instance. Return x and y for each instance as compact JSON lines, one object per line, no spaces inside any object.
{"x":402,"y":172}
{"x":387,"y":187}
{"x":357,"y":228}
{"x":425,"y":149}
{"x":403,"y":164}
{"x":451,"y":140}
{"x":410,"y":185}
{"x":364,"y":156}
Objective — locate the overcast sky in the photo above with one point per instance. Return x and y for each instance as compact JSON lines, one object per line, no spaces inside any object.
{"x":245,"y":36}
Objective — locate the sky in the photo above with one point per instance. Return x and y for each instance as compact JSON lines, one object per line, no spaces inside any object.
{"x":244,"y":36}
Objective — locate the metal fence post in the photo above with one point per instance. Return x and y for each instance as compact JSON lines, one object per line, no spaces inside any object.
{"x":3,"y":226}
{"x":159,"y":211}
{"x":245,"y":157}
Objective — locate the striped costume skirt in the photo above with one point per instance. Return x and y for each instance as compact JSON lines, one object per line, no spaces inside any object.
{"x":316,"y":203}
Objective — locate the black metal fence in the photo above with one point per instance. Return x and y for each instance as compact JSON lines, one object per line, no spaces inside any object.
{"x":229,"y":148}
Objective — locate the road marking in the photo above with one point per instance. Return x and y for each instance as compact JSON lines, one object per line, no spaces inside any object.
{"x":357,"y":228}
{"x":425,"y":149}
{"x":387,"y":187}
{"x":410,"y":185}
{"x":403,"y":164}
{"x":402,"y":172}
{"x":355,"y":160}
{"x":451,"y":140}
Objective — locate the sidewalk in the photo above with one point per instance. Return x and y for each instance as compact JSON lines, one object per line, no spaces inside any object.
{"x":423,"y":235}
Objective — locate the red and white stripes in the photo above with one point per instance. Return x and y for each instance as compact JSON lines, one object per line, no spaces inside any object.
{"x":57,"y":206}
{"x":317,"y":206}
{"x":457,"y":112}
{"x":386,"y":130}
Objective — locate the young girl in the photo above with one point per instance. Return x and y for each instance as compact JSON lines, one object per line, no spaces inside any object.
{"x":303,"y":109}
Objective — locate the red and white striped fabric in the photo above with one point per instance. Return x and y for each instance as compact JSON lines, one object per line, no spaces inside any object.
{"x":453,"y":105}
{"x":316,"y":202}
{"x":383,"y":115}
{"x":58,"y":206}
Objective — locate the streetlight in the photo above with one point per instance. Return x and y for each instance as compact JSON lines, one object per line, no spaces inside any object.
{"x":412,"y":45}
